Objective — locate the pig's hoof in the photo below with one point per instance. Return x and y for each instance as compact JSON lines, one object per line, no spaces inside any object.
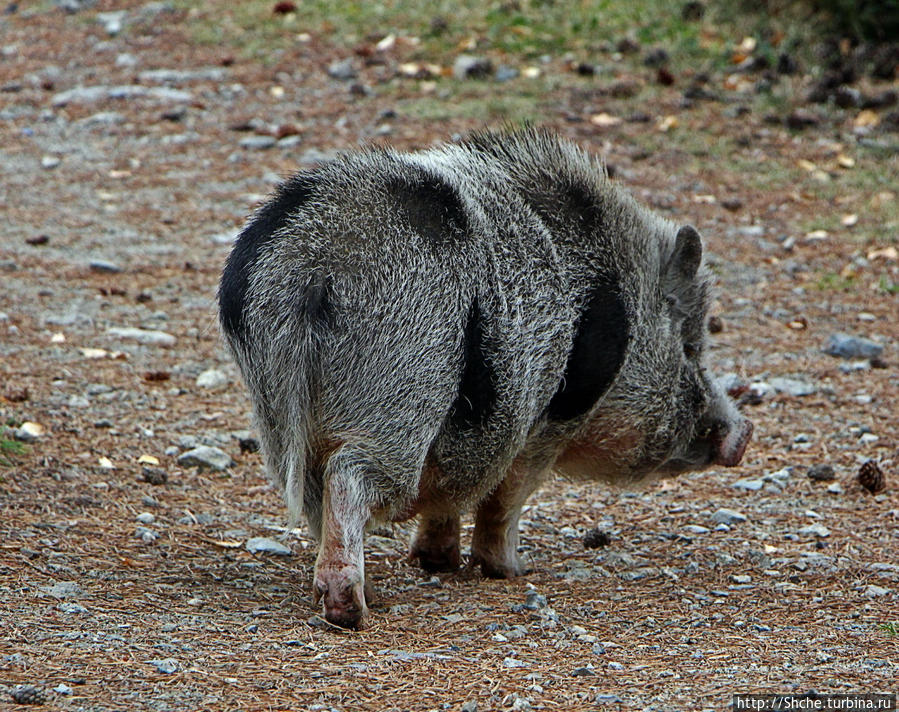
{"x":497,"y":568}
{"x":433,"y":558}
{"x":343,"y":598}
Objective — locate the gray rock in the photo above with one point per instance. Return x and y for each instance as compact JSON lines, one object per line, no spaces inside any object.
{"x":793,"y":386}
{"x":741,"y":578}
{"x":90,"y":95}
{"x":264,"y":545}
{"x":696,"y":529}
{"x":873,"y":591}
{"x":112,"y":21}
{"x":62,"y":689}
{"x":468,"y":67}
{"x":71,"y":608}
{"x":75,"y":5}
{"x":835,"y":488}
{"x":64,"y":589}
{"x":179,"y":76}
{"x":822,"y":473}
{"x":749,"y":484}
{"x":168,"y":666}
{"x":848,"y":347}
{"x":144,"y":336}
{"x":342,"y":69}
{"x":818,"y":530}
{"x":504,"y":73}
{"x":534,"y":601}
{"x":212,"y":378}
{"x":104,"y":266}
{"x":258,"y":143}
{"x":728,"y":516}
{"x":146,"y":518}
{"x":206,"y":457}
{"x":470,"y":706}
{"x":146,"y":535}
{"x":50,"y":162}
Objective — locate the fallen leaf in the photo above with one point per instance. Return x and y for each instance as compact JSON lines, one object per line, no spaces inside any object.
{"x":887,"y":253}
{"x":667,"y":123}
{"x":228,"y":544}
{"x":604,"y":120}
{"x":106,"y":463}
{"x":148,"y":460}
{"x":866,"y":119}
{"x":844,"y":161}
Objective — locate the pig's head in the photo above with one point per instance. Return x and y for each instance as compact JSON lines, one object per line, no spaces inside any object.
{"x":664,"y":413}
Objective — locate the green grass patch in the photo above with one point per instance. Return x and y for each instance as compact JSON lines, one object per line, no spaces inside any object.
{"x":891,"y":628}
{"x":10,"y":449}
{"x":831,"y":281}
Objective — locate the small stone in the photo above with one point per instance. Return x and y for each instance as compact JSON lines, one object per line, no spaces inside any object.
{"x":822,"y":473}
{"x":265,"y":545}
{"x":835,"y":488}
{"x":583,"y":672}
{"x":342,"y":69}
{"x":468,"y":67}
{"x":868,"y":438}
{"x":168,"y":666}
{"x":146,"y":518}
{"x":505,"y":73}
{"x":146,"y":535}
{"x":248,"y":445}
{"x":154,"y":475}
{"x":749,"y":484}
{"x":50,"y":162}
{"x":818,"y":530}
{"x":741,"y":578}
{"x":696,"y":529}
{"x":793,"y":387}
{"x":258,"y":143}
{"x":534,"y":601}
{"x":206,"y":457}
{"x":801,"y":119}
{"x":28,"y":695}
{"x":143,"y":336}
{"x":595,"y":539}
{"x":616,"y":666}
{"x":104,"y":266}
{"x":212,"y":378}
{"x":849,"y":347}
{"x":71,"y":608}
{"x":62,"y":689}
{"x":64,"y":589}
{"x":728,"y":516}
{"x":470,"y":706}
{"x":874,"y":591}
{"x":28,"y":432}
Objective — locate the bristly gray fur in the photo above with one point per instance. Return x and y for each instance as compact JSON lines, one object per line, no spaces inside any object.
{"x":420,"y":312}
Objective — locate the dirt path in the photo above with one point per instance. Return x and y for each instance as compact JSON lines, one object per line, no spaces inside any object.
{"x":115,"y":593}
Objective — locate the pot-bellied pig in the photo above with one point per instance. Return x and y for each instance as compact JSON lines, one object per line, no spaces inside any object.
{"x":424,"y":333}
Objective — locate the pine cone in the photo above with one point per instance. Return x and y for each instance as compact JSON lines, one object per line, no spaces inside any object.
{"x":870,"y":476}
{"x":28,"y":695}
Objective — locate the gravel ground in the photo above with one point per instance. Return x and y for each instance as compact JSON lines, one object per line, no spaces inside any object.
{"x":128,"y":578}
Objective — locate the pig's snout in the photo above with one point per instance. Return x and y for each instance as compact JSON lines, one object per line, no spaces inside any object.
{"x":729,"y":442}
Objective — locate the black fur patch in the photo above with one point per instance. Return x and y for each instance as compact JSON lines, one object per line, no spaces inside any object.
{"x":477,"y":387}
{"x":314,"y":299}
{"x":431,"y":206}
{"x":564,"y":205}
{"x":268,"y":220}
{"x":596,"y":355}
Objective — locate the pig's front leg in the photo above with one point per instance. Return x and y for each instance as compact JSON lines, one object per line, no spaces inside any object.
{"x":436,"y":544}
{"x":494,"y":544}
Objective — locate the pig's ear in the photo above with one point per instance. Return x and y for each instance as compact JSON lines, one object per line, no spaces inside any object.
{"x":687,"y":252}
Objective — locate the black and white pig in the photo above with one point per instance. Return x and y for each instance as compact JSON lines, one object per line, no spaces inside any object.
{"x":424,"y":333}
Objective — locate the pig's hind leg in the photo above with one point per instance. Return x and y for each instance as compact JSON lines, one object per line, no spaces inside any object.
{"x":436,"y":544}
{"x":339,"y":580}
